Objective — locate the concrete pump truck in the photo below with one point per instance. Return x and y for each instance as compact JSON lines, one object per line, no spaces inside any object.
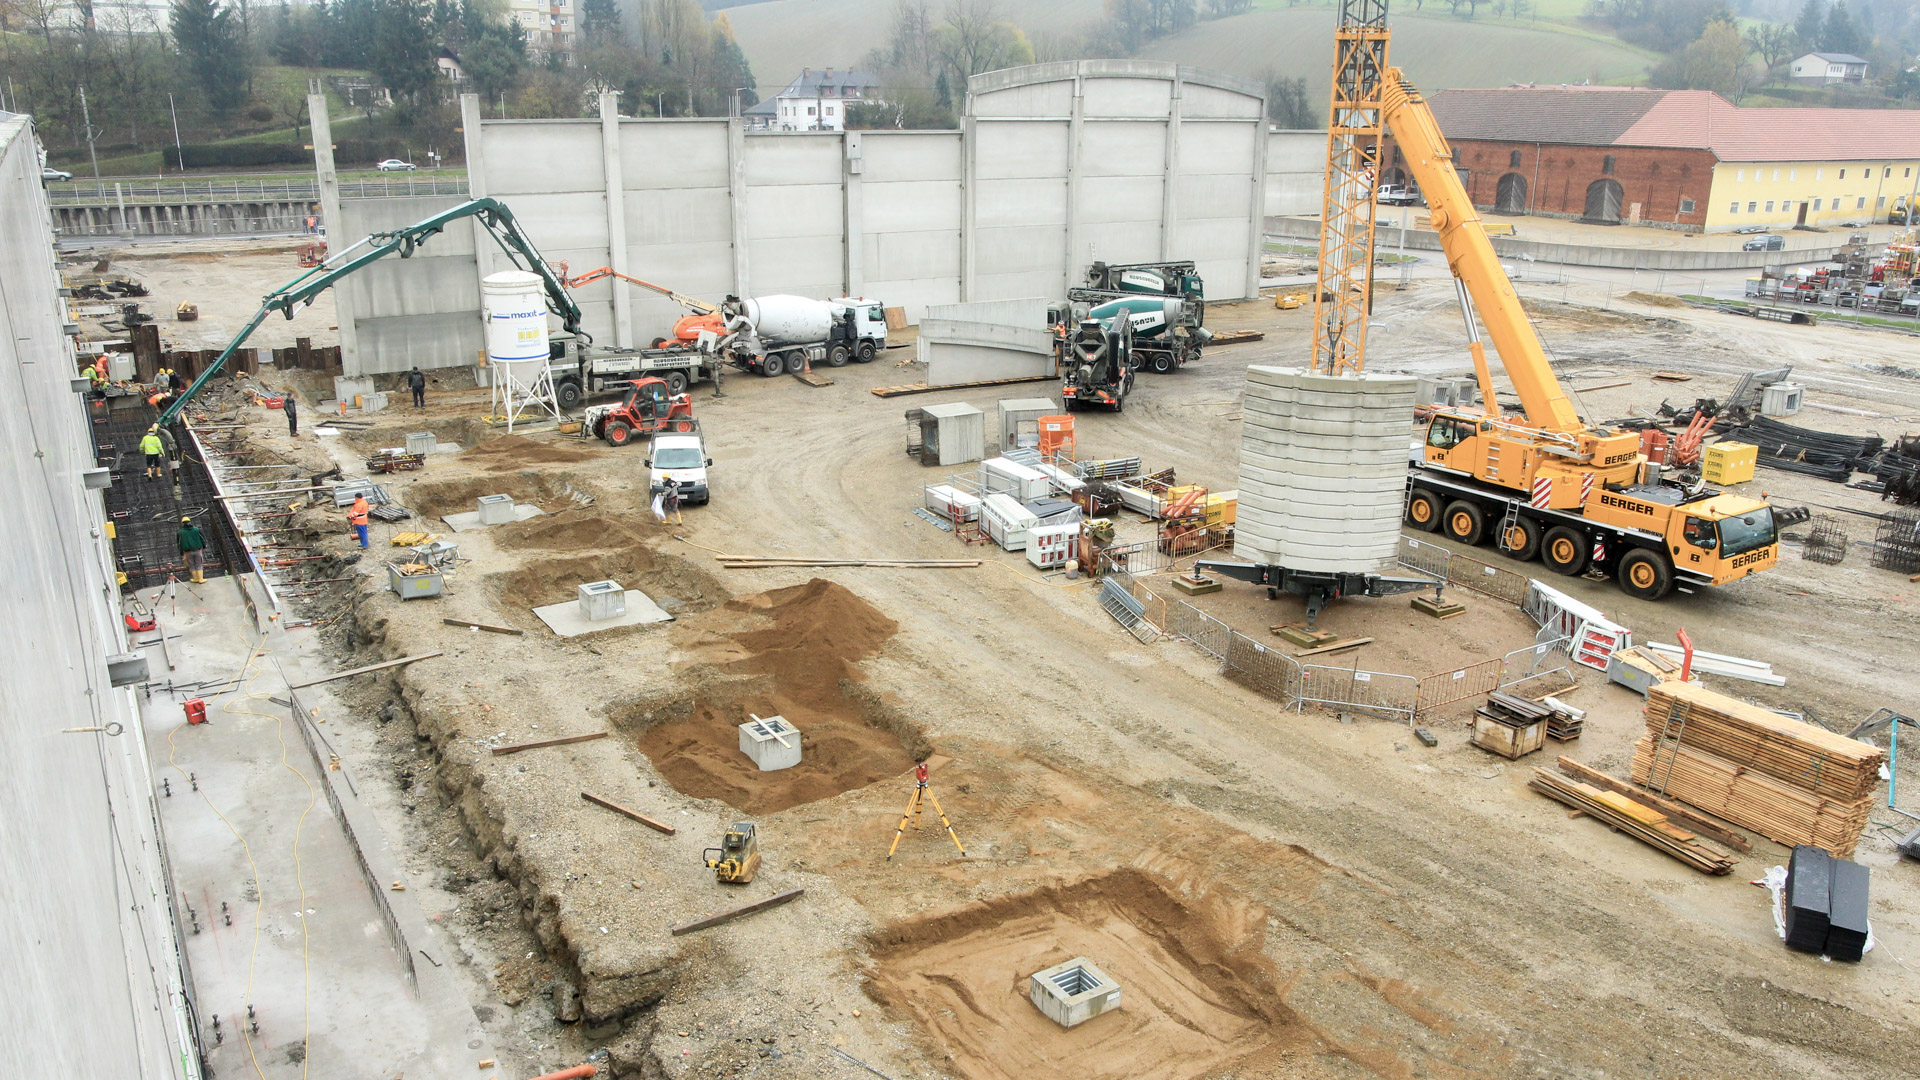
{"x":1550,"y":486}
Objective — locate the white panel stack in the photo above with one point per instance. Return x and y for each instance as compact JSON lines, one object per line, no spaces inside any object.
{"x":1323,"y":469}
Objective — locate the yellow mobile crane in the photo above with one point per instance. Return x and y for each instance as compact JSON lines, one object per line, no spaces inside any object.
{"x":1551,"y":486}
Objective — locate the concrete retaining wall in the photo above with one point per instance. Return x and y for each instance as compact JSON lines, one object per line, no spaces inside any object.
{"x":1056,"y":165}
{"x":1624,"y":258}
{"x":994,"y":339}
{"x":1296,"y":172}
{"x":91,"y":967}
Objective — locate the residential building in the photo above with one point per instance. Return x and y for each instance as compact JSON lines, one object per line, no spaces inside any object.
{"x":1825,"y":69}
{"x":1685,"y":159}
{"x":550,"y":25}
{"x":815,"y":101}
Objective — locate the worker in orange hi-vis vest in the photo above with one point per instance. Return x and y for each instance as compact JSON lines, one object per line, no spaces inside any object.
{"x":357,"y":517}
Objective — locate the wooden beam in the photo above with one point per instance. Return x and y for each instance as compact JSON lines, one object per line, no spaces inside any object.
{"x":1351,"y":643}
{"x":499,"y":751}
{"x":728,"y":916}
{"x":1673,"y":810}
{"x":634,"y":814}
{"x":483,"y":626}
{"x":382,"y":666}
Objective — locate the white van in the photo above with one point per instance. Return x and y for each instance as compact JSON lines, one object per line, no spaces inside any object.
{"x":684,"y":458}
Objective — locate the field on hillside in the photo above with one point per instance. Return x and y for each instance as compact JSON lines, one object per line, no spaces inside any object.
{"x":784,"y":36}
{"x":1435,"y":53}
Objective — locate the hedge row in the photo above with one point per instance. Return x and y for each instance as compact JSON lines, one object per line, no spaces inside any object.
{"x":347,"y":152}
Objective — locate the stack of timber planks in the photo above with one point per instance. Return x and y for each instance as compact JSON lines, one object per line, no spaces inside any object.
{"x":1789,"y":781}
{"x":1637,"y":820}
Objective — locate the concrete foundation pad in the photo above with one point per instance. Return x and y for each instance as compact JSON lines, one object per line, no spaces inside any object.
{"x":566,"y":619}
{"x":1186,"y":583}
{"x":470,"y":520}
{"x":1439,"y":609}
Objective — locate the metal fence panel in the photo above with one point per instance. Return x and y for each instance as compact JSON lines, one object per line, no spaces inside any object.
{"x":1446,"y":687}
{"x":1396,"y":696}
{"x":1486,"y":578}
{"x":1543,"y":663}
{"x":1207,"y":633}
{"x":1259,"y":668}
{"x":1425,"y":556}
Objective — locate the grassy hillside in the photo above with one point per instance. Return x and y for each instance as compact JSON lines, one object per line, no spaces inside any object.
{"x":1434,"y":52}
{"x":783,"y":36}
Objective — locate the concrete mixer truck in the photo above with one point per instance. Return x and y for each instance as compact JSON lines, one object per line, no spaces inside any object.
{"x":777,"y":334}
{"x":1095,"y":360}
{"x":1164,"y":301}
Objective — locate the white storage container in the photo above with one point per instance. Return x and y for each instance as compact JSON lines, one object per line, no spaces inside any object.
{"x":1050,"y":546}
{"x":952,"y":434}
{"x":945,"y":500}
{"x":1006,"y":521}
{"x":1781,"y":398}
{"x":1020,"y":481}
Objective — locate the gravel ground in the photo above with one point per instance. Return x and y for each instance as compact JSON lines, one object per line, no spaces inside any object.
{"x":1397,"y":911}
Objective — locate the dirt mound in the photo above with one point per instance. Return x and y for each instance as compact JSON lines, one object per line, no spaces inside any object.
{"x":567,"y":530}
{"x":820,"y":632}
{"x":803,"y":668}
{"x":839,"y":752}
{"x":435,"y":498}
{"x":673,"y":583}
{"x":1197,"y":995}
{"x":1656,"y":299}
{"x":508,"y":452}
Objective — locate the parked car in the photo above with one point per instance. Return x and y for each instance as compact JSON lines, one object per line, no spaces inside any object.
{"x":395,"y":165}
{"x":1396,"y":195}
{"x":1769,"y":242}
{"x":54,"y":174}
{"x":1751,"y":229}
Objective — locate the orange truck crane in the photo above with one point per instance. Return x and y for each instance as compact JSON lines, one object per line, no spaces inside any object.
{"x":1550,"y":486}
{"x":686,"y":329}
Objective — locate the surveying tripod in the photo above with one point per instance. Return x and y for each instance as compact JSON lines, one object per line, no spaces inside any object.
{"x":922,"y":792}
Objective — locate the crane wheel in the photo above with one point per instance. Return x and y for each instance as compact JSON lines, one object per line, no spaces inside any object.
{"x":1522,"y":539}
{"x":1645,"y":575}
{"x":1423,"y":510}
{"x":1465,"y":522}
{"x":1565,"y":550}
{"x":618,"y":433}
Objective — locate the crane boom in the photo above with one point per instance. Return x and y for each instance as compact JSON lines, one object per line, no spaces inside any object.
{"x":691,"y":303}
{"x":303,"y":290}
{"x":1474,"y":263}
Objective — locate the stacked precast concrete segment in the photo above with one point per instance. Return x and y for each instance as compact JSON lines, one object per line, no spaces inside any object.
{"x":1323,"y":469}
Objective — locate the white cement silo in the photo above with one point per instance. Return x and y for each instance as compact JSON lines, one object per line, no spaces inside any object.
{"x":1323,"y":469}
{"x":513,"y":308}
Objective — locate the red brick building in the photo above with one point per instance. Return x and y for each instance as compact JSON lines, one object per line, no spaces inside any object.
{"x":1570,"y":152}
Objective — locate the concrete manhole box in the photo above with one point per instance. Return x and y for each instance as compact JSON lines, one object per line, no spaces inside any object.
{"x":1074,"y":992}
{"x":771,"y":742}
{"x":602,"y":600}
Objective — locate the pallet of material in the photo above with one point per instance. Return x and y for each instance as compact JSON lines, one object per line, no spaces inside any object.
{"x":1801,"y":754}
{"x":1643,"y":823}
{"x":1235,"y":337}
{"x":1750,"y":799}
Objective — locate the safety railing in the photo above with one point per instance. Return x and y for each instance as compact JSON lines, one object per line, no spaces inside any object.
{"x":1543,"y":664}
{"x":175,"y":192}
{"x":1446,"y":687}
{"x":1394,"y":696}
{"x":1207,"y":633}
{"x":1259,"y":668}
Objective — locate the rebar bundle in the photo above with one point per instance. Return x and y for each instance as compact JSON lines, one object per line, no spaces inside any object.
{"x":1803,"y":450}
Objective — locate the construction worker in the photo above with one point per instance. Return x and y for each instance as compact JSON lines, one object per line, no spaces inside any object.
{"x":170,"y":451}
{"x":193,"y":548}
{"x":357,"y":517}
{"x":151,"y":446}
{"x":670,"y":501}
{"x":417,"y":383}
{"x":291,"y":407}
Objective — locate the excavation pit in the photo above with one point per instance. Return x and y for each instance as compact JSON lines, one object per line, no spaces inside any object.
{"x":676,"y":585}
{"x":1073,"y":993}
{"x":1200,"y":996}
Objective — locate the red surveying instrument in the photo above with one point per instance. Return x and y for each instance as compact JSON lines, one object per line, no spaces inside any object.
{"x":922,"y":791}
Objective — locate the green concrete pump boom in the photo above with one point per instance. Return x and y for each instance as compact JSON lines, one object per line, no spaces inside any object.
{"x":303,"y":290}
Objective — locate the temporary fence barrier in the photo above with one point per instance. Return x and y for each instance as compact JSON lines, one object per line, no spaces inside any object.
{"x":1259,"y":668}
{"x":1118,"y":602}
{"x":1425,"y":556}
{"x":1494,"y":581}
{"x":1207,"y":633}
{"x":1543,"y":660}
{"x":1397,"y":696}
{"x":1446,"y":687}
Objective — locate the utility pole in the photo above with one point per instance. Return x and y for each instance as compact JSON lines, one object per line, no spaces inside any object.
{"x":181,"y":158}
{"x":86,"y":118}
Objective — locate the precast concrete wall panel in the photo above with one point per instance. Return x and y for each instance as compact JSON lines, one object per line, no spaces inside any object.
{"x":1123,"y":148}
{"x":899,"y":156}
{"x":673,"y":154}
{"x":1126,"y":97}
{"x":524,"y":157}
{"x":1019,"y":149}
{"x":1296,"y":172}
{"x":1202,"y":101}
{"x":423,"y":310}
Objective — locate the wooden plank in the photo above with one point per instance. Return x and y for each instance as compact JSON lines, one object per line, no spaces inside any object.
{"x":1236,"y":337}
{"x":634,"y":814}
{"x":922,"y":388}
{"x":728,"y":916}
{"x":812,"y":379}
{"x":1353,"y":643}
{"x":1673,"y":810}
{"x":362,"y":670}
{"x":483,"y":626}
{"x":1642,"y":823}
{"x":516,"y":748}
